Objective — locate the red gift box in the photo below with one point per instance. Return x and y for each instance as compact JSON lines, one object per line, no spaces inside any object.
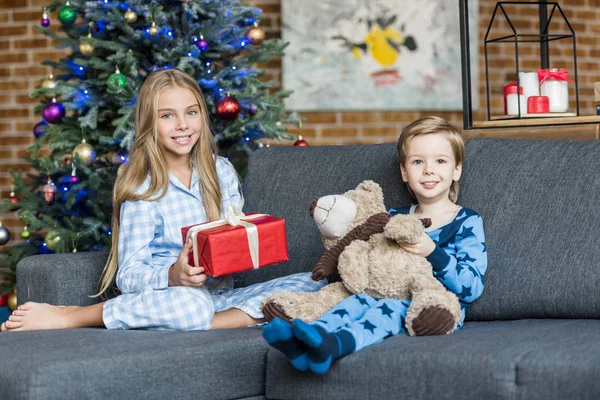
{"x":221,"y":248}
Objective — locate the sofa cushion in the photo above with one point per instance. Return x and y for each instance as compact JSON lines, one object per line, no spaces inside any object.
{"x":61,"y":279}
{"x":539,"y":202}
{"x":284,"y":180}
{"x":527,"y":359}
{"x":101,"y":364}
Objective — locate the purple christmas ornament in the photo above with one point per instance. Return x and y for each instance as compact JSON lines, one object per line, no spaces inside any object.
{"x":202,"y":44}
{"x":45,"y":19}
{"x":252,"y":109}
{"x":53,"y":112}
{"x":40,"y":128}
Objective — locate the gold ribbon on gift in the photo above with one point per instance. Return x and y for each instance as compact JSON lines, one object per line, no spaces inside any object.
{"x":233,"y":218}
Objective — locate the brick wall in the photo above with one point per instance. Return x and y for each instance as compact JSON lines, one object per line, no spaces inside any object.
{"x":22,"y":49}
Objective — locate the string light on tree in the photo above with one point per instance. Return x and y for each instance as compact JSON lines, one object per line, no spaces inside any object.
{"x":228,"y":108}
{"x":45,"y":20}
{"x":67,"y":14}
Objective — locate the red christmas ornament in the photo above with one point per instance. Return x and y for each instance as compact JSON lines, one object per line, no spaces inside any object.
{"x":228,"y":108}
{"x":66,"y":159}
{"x":300,"y":142}
{"x":13,"y":198}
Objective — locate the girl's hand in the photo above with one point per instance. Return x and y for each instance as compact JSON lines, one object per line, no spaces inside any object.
{"x":423,"y":247}
{"x":183,"y":274}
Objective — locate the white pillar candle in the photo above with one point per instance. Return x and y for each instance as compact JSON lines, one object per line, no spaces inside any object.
{"x":558,"y":93}
{"x":530,"y":83}
{"x":512,"y":104}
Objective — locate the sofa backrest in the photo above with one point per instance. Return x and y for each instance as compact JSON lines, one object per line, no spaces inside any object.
{"x":282,"y":181}
{"x":538,"y":199}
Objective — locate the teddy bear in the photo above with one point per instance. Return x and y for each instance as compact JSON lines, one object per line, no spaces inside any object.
{"x":363,"y":256}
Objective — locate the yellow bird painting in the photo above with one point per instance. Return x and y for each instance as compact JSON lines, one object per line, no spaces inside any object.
{"x":383,"y":42}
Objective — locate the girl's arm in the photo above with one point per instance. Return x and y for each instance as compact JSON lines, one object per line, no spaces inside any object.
{"x":229,"y":181}
{"x":136,"y":270}
{"x":463,"y":274}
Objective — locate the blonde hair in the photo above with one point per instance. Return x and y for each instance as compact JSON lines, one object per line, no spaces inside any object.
{"x":147,"y":157}
{"x":431,"y":125}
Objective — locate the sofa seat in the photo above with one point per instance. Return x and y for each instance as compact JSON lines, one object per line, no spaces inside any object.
{"x":524,"y":359}
{"x":101,"y":364}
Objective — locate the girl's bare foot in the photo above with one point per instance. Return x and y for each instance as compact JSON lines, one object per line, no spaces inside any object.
{"x":39,"y":316}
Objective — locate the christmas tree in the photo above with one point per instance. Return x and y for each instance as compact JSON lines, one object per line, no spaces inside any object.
{"x":87,"y":107}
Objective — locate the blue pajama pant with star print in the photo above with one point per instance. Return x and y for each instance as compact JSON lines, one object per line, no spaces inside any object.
{"x":369,"y":321}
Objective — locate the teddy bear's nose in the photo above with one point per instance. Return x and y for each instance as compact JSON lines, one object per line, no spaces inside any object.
{"x":313,"y":205}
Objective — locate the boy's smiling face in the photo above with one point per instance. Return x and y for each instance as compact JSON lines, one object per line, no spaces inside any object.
{"x":430,"y":167}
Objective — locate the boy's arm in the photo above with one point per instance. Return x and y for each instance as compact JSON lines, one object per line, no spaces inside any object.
{"x":463,"y":274}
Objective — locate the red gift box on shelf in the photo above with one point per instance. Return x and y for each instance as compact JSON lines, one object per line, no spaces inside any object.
{"x":238,"y":243}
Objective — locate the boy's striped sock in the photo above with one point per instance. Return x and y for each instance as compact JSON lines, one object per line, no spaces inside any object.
{"x":321,"y":346}
{"x":279,"y":335}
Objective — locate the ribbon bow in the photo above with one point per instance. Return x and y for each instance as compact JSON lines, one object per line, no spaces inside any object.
{"x":560,"y":75}
{"x":233,"y":217}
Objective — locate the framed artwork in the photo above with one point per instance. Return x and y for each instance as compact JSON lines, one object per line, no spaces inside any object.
{"x":375,"y":54}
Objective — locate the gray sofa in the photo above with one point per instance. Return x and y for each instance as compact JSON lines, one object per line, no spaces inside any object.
{"x":534,"y":333}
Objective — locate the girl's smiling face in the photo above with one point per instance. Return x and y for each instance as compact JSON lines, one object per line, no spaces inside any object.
{"x":179,"y":122}
{"x":430,"y":167}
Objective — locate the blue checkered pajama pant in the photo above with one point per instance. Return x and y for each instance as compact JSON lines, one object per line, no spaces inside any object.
{"x":183,"y":308}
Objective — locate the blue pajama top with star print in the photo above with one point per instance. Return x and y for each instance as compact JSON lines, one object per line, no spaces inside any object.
{"x":460,"y":257}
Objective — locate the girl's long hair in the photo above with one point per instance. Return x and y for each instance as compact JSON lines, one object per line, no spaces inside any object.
{"x":147,"y":157}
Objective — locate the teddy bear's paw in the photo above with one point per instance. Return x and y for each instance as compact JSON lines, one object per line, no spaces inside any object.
{"x":433,"y":321}
{"x":404,"y":228}
{"x":272,"y":310}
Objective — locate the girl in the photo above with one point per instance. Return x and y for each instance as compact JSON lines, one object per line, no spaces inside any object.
{"x":174,"y":178}
{"x":431,"y":156}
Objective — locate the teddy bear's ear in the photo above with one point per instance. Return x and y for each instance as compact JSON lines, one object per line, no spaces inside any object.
{"x":370,"y":186}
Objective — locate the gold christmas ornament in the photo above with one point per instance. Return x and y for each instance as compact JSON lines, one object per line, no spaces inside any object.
{"x":153,"y":29}
{"x":130,"y":16}
{"x":85,"y":151}
{"x":12,"y":301}
{"x":86,"y":48}
{"x":256,"y":35}
{"x":49,"y":83}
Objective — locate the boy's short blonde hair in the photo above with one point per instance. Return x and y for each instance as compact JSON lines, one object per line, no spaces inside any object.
{"x":427,"y":126}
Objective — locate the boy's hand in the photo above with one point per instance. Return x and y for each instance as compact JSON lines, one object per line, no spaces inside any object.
{"x":423,"y":247}
{"x":183,"y":274}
